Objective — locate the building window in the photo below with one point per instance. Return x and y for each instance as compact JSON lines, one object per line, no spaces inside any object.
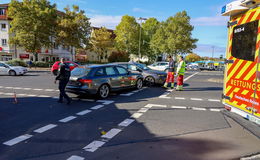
{"x":3,"y":26}
{"x":55,"y":45}
{"x":2,"y":11}
{"x":4,"y":42}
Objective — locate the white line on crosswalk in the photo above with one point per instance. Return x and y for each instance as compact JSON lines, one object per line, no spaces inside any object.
{"x":17,"y":140}
{"x":97,"y":107}
{"x":126,"y":122}
{"x":110,"y":134}
{"x":93,"y":146}
{"x":67,"y":119}
{"x":75,"y":158}
{"x":45,"y":128}
{"x":83,"y":112}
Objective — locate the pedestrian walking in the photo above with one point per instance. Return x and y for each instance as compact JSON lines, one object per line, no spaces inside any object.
{"x":63,"y":77}
{"x":180,"y":73}
{"x":170,"y":74}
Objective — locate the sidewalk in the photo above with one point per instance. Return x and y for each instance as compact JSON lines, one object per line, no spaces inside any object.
{"x":37,"y":69}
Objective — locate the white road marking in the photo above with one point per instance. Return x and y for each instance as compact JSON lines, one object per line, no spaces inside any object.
{"x":49,"y":90}
{"x":27,"y":88}
{"x":199,"y":109}
{"x":93,"y":146}
{"x":21,"y":94}
{"x":75,"y":158}
{"x":112,"y":133}
{"x":44,"y":96}
{"x":180,"y":98}
{"x":37,"y":89}
{"x":45,"y":128}
{"x":8,"y":94}
{"x":154,"y":105}
{"x":215,"y":110}
{"x":87,"y":100}
{"x":143,"y":110}
{"x":196,"y":99}
{"x":126,"y":122}
{"x":137,"y":115}
{"x":1,"y":93}
{"x":97,"y":107}
{"x":55,"y":97}
{"x":8,"y":87}
{"x":136,"y":91}
{"x":165,"y":96}
{"x":106,"y":102}
{"x":17,"y":88}
{"x":1,"y":86}
{"x":170,"y":90}
{"x":128,"y":94}
{"x":83,"y":112}
{"x":214,"y":100}
{"x":67,"y":119}
{"x":31,"y":95}
{"x":190,"y":76}
{"x":179,"y":107}
{"x":17,"y":140}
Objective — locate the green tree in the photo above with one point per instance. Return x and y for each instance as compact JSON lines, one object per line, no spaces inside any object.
{"x":127,"y":35}
{"x":174,"y":35}
{"x":73,"y":28}
{"x":101,"y":41}
{"x":33,"y":23}
{"x":192,"y":57}
{"x":150,"y":26}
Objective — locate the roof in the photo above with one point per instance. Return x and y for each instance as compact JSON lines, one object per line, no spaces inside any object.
{"x":4,"y":5}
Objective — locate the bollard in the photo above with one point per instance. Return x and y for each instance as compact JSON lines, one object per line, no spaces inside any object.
{"x":15,"y":98}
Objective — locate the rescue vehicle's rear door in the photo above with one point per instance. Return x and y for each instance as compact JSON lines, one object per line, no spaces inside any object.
{"x":242,"y":53}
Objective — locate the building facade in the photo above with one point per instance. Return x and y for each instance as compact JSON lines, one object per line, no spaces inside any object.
{"x":9,"y":52}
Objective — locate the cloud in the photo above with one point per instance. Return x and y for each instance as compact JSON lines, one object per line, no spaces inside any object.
{"x":105,"y":21}
{"x":210,"y":21}
{"x":140,"y":10}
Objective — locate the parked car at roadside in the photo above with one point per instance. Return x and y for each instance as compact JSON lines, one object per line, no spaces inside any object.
{"x":160,"y":66}
{"x":7,"y":69}
{"x":56,"y":65}
{"x":151,"y":77}
{"x":100,"y":80}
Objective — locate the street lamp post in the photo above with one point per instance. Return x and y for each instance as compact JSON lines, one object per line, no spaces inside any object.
{"x":140,"y":34}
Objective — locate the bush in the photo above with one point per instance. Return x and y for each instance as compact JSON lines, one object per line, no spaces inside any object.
{"x":17,"y":62}
{"x":41,"y":64}
{"x":118,"y":57}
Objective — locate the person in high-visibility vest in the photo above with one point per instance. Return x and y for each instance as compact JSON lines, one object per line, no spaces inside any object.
{"x":180,"y":73}
{"x":170,"y":74}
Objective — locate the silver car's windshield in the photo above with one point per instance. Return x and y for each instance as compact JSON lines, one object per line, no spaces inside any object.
{"x":81,"y":71}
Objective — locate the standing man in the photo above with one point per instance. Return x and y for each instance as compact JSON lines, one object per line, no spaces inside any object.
{"x":170,"y":74}
{"x":63,"y":77}
{"x":180,"y":73}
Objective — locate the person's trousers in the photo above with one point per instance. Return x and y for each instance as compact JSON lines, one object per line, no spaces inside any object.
{"x":62,"y":86}
{"x":170,"y":77}
{"x":180,"y":80}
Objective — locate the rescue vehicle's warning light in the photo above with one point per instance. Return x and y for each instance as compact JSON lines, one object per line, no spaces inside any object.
{"x":223,"y":9}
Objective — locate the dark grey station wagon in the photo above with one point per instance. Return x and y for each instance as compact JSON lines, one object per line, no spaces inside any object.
{"x":102,"y":79}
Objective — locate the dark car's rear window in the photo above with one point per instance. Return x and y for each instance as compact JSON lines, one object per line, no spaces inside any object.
{"x":82,"y":71}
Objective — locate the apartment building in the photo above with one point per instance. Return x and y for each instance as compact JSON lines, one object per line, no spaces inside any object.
{"x":9,"y":52}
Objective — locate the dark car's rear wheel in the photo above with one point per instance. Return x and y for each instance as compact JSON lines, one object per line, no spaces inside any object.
{"x":12,"y":73}
{"x":103,"y":91}
{"x":139,"y":83}
{"x":150,"y":81}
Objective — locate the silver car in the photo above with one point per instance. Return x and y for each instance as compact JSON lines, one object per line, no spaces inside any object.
{"x":151,"y":77}
{"x":7,"y":69}
{"x":102,"y":79}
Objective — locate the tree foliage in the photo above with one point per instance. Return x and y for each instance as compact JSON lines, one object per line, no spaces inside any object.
{"x":73,"y":28}
{"x":127,"y":35}
{"x":192,"y":57}
{"x":33,"y":23}
{"x":101,"y":41}
{"x":174,"y":35}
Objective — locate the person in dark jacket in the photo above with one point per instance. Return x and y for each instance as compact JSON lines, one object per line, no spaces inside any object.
{"x":170,"y":74}
{"x":63,"y":77}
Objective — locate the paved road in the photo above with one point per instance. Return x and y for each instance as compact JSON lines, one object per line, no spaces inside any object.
{"x":152,"y":123}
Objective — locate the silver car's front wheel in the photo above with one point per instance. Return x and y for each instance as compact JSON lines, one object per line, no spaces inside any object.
{"x":139,"y":83}
{"x":104,"y":91}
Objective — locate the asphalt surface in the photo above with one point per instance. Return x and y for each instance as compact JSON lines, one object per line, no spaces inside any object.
{"x":153,"y":123}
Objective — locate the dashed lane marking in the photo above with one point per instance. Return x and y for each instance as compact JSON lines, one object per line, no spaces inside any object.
{"x":106,"y":102}
{"x":137,"y":115}
{"x":75,"y":158}
{"x":93,"y":146}
{"x":112,"y":133}
{"x":180,"y":98}
{"x":179,"y":107}
{"x":143,"y":110}
{"x":37,"y":89}
{"x":165,"y":96}
{"x":17,"y":140}
{"x":67,"y":119}
{"x":198,"y":109}
{"x":45,"y":128}
{"x":97,"y":107}
{"x":126,"y":122}
{"x":215,"y":110}
{"x":196,"y":99}
{"x":214,"y":100}
{"x":83,"y":112}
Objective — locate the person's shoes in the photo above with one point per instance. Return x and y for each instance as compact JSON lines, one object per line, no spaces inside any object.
{"x":165,"y":85}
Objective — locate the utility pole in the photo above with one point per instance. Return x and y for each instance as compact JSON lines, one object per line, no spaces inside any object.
{"x":140,"y":34}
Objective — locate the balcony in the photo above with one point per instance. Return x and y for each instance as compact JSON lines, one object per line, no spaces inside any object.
{"x":3,"y":17}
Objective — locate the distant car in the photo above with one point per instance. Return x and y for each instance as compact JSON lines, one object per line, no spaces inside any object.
{"x":160,"y":66}
{"x":102,"y":79}
{"x":7,"y":69}
{"x":56,"y":65}
{"x":151,"y":77}
{"x":193,"y":68}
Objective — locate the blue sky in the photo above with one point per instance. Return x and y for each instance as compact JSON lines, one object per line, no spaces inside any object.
{"x":210,"y":26}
